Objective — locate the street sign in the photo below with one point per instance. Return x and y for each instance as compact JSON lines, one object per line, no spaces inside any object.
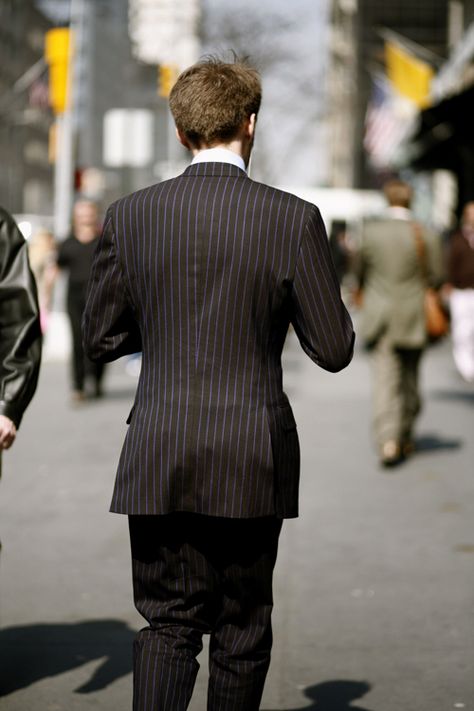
{"x":128,"y":138}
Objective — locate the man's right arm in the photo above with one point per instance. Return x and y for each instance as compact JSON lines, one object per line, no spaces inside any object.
{"x":108,"y":324}
{"x":320,"y":319}
{"x":20,"y":333}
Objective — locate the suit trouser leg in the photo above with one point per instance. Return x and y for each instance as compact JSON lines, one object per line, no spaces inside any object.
{"x":194,"y":575}
{"x":410,"y":361}
{"x":396,"y":391}
{"x":240,"y":646}
{"x":387,"y":392}
{"x":171,"y":596}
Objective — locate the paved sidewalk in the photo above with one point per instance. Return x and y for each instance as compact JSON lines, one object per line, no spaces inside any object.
{"x":374,"y":582}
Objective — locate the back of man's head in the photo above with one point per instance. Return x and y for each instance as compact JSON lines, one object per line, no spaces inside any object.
{"x":397,"y":193}
{"x":211,"y":100}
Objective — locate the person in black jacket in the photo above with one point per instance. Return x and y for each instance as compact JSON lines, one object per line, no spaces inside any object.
{"x":75,"y":257}
{"x":20,"y":333}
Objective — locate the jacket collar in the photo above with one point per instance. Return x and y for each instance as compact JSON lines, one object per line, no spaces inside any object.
{"x":215,"y":170}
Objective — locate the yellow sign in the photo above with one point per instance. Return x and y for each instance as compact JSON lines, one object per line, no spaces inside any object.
{"x":167,"y":75}
{"x":410,"y":76}
{"x":57,"y":58}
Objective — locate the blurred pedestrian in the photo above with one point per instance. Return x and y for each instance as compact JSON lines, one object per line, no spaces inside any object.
{"x":42,"y":255}
{"x":75,"y":256}
{"x":20,"y":333}
{"x":339,"y":247}
{"x":461,"y":298}
{"x":393,"y":276}
{"x":205,"y":273}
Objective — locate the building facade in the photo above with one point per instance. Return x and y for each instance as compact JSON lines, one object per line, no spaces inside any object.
{"x":357,"y":51}
{"x":25,"y":118}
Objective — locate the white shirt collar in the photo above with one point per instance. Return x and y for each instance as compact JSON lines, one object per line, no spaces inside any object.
{"x":219,"y":155}
{"x":399,"y":213}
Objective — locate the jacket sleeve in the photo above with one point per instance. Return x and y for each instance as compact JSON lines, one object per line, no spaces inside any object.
{"x":20,"y":332}
{"x":109,"y":327}
{"x":320,"y":319}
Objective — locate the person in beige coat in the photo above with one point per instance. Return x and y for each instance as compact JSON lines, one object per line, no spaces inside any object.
{"x":392,"y":279}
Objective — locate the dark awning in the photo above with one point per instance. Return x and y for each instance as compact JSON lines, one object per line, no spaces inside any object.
{"x":445,"y":133}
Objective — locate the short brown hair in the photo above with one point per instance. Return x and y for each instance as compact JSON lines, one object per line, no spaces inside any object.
{"x":398,"y":193}
{"x":212,"y":99}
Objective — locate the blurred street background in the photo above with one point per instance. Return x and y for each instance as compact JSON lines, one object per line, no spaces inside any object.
{"x":374,"y":582}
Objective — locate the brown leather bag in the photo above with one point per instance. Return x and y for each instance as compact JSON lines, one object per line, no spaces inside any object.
{"x":437,"y":324}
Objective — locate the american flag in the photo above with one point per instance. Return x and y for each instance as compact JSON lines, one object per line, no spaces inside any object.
{"x":388,"y":121}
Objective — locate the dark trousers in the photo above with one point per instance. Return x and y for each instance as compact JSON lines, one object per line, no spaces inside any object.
{"x":82,"y":366}
{"x":195,"y":575}
{"x":396,"y":395}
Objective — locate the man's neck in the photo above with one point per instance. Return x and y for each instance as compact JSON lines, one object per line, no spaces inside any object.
{"x":219,"y":154}
{"x":235,"y":146}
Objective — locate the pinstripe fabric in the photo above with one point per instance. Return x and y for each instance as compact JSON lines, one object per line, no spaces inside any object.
{"x":204,"y":273}
{"x":193,"y":575}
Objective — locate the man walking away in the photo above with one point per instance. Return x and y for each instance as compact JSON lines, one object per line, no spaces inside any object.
{"x":396,"y":261}
{"x":204,"y":273}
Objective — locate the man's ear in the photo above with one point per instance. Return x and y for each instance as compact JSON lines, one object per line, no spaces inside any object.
{"x":251,"y":125}
{"x":182,"y":139}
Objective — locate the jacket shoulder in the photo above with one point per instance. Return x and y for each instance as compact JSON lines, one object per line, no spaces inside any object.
{"x":268,"y":195}
{"x":137,"y":197}
{"x":281,"y":197}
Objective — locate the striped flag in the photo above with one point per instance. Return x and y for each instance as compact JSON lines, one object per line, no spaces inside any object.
{"x":388,"y":121}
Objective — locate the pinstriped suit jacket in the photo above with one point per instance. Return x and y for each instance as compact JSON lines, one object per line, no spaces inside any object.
{"x":204,"y":273}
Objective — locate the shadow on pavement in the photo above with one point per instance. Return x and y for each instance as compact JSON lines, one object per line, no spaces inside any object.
{"x":465,"y":396}
{"x":29,"y":654}
{"x":432,"y":442}
{"x":336,"y":695}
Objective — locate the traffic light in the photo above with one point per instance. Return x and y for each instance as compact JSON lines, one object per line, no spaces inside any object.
{"x":57,"y":57}
{"x":167,"y":75}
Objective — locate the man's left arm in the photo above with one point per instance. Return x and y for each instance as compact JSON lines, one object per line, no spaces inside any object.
{"x":320,"y":319}
{"x":20,"y":332}
{"x":109,"y":327}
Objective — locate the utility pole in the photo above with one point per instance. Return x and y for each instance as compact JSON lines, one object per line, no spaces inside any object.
{"x":62,"y":49}
{"x":63,"y":175}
